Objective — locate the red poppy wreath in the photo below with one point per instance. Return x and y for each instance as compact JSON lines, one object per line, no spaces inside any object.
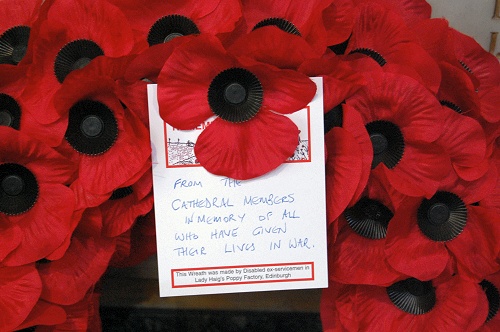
{"x":412,"y":135}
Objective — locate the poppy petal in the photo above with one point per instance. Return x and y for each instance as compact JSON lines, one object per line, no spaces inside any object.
{"x":184,"y":80}
{"x":44,"y":313}
{"x":273,"y":46}
{"x":343,"y":170}
{"x":359,"y":260}
{"x":249,"y":149}
{"x":285,"y":91}
{"x":20,"y":288}
{"x":68,"y":279}
{"x":476,"y":248}
{"x":408,"y":250}
{"x":45,"y":226}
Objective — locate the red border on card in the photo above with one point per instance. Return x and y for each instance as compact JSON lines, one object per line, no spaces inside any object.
{"x":165,"y":138}
{"x":172,"y":275}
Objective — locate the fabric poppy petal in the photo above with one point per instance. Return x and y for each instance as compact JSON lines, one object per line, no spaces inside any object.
{"x":67,"y":280}
{"x":450,"y":313}
{"x":77,"y":316}
{"x":420,"y":170}
{"x":463,"y":138}
{"x":119,"y":218}
{"x":149,"y":63}
{"x":285,"y":91}
{"x":340,"y":79}
{"x":359,"y":260}
{"x":184,"y":80}
{"x":10,"y":237}
{"x":20,"y":288}
{"x":377,"y":313}
{"x":43,"y":234}
{"x":338,"y":19}
{"x":247,"y":150}
{"x":408,"y":250}
{"x":22,"y":12}
{"x":273,"y":46}
{"x":343,"y":170}
{"x":412,"y":11}
{"x":89,"y":19}
{"x":476,"y":248}
{"x":490,"y":99}
{"x":353,"y":123}
{"x":44,"y":313}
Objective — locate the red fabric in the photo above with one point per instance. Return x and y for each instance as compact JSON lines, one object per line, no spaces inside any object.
{"x":343,"y":170}
{"x":20,"y":288}
{"x":224,"y":148}
{"x":67,"y":280}
{"x":306,"y":16}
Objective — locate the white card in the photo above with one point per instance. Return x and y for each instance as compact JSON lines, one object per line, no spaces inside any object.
{"x":219,"y":235}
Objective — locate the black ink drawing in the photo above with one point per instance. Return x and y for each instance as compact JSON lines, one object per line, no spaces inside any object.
{"x":181,"y":153}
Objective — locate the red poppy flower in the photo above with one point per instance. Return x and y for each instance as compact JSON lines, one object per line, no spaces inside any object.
{"x":45,"y":314}
{"x":159,"y":21}
{"x":299,"y":18}
{"x":357,"y":256}
{"x":403,"y":120}
{"x":382,"y":37}
{"x":67,"y":280}
{"x":100,"y":134}
{"x":35,"y":202}
{"x":491,"y":287}
{"x":249,"y":99}
{"x":425,"y":235}
{"x":20,"y":287}
{"x":15,"y":28}
{"x":137,"y":244}
{"x":485,"y":68}
{"x":414,"y":305}
{"x":72,"y":35}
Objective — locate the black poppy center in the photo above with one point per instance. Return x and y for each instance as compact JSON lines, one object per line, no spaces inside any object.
{"x":369,"y":218}
{"x":75,"y":55}
{"x":13,"y":44}
{"x":121,"y":193}
{"x":6,"y":118}
{"x":169,"y":27}
{"x":493,"y":297}
{"x":413,"y":296}
{"x":10,"y":112}
{"x":379,"y":143}
{"x":235,"y":95}
{"x":438,"y":213}
{"x":12,"y":185}
{"x":372,"y":54}
{"x":333,"y":118}
{"x":452,"y":106}
{"x":280,"y":23}
{"x":387,"y":142}
{"x":92,"y":127}
{"x":443,"y":217}
{"x":18,"y":189}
